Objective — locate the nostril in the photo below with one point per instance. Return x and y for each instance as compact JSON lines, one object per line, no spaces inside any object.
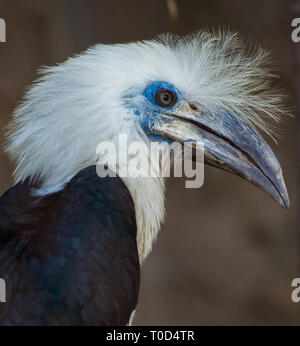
{"x":194,"y":107}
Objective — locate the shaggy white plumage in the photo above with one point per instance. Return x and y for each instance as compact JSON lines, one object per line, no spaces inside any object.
{"x":77,"y":104}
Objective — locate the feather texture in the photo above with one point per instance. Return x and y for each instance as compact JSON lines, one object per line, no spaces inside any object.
{"x":73,"y":106}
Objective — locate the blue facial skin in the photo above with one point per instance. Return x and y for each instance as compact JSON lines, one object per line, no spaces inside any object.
{"x":148,"y":110}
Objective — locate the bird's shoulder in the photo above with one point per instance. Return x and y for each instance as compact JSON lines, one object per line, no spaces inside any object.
{"x":21,"y":208}
{"x":73,"y":257}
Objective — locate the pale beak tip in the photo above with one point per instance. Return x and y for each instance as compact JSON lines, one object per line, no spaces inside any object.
{"x":285,"y":201}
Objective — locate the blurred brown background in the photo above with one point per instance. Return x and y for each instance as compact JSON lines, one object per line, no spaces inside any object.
{"x":227,"y":253}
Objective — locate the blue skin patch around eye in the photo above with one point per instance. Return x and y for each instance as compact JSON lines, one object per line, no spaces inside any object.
{"x":149,"y":94}
{"x":148,"y":108}
{"x":151,"y":90}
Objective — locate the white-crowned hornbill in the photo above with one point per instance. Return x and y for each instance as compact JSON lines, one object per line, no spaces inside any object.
{"x":71,"y":243}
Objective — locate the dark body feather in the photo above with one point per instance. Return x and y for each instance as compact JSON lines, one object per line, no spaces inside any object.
{"x":69,"y":258}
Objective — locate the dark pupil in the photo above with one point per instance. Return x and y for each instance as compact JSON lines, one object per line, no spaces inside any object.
{"x":165,"y":97}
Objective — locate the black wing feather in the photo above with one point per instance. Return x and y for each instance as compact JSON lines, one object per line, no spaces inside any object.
{"x":71,"y":257}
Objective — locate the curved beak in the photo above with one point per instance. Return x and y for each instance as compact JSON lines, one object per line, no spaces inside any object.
{"x":230,"y":143}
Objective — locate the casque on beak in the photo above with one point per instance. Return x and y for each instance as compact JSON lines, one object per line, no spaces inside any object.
{"x":230,"y":143}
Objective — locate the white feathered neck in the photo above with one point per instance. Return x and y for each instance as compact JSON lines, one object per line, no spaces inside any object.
{"x":77,"y":104}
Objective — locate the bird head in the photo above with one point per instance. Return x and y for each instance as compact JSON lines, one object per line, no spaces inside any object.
{"x":206,"y":87}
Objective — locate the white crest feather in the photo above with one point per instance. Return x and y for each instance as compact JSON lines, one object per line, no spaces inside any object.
{"x":77,"y":104}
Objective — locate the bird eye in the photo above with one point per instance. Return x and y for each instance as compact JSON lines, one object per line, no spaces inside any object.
{"x":165,"y":98}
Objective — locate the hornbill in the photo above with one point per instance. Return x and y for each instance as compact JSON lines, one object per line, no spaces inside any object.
{"x":71,"y":242}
